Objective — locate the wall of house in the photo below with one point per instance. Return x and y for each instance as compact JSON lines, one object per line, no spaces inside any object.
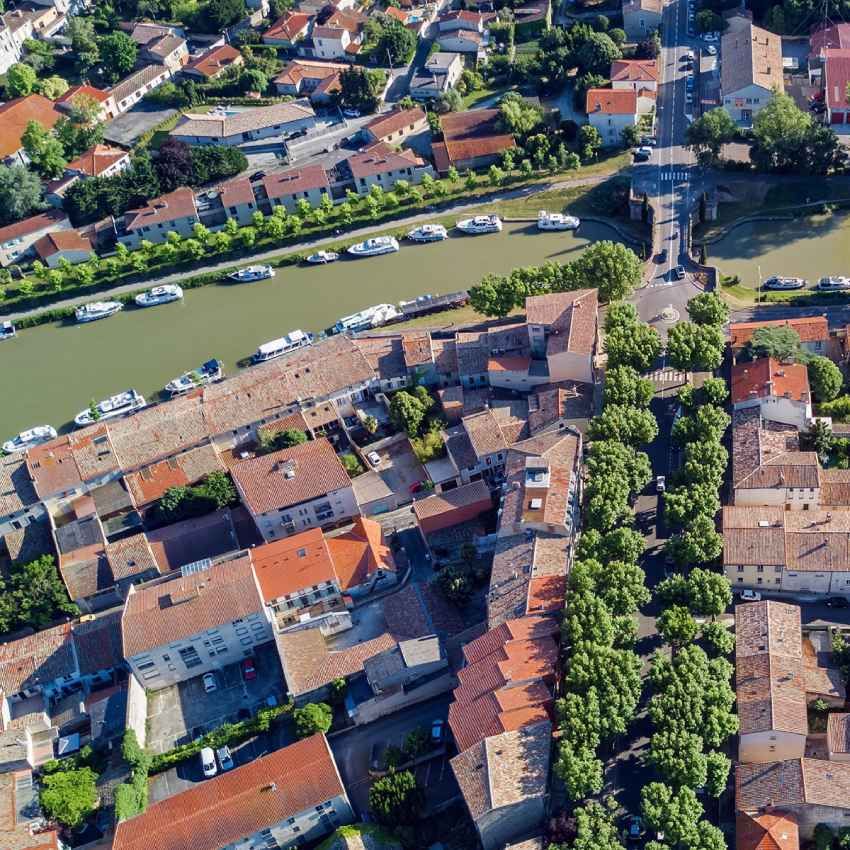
{"x":839,"y":756}
{"x":809,"y":816}
{"x":242,"y":213}
{"x":806,"y":582}
{"x":839,"y":581}
{"x":72,"y":257}
{"x":756,"y":576}
{"x":157,"y":233}
{"x":325,"y":511}
{"x":397,"y":137}
{"x":635,"y":85}
{"x":796,"y":499}
{"x":569,"y":366}
{"x":743,"y":105}
{"x":21,"y":246}
{"x":611,"y":126}
{"x":134,"y":97}
{"x":388,"y":179}
{"x":287,"y":608}
{"x":380,"y":706}
{"x":521,"y":381}
{"x":137,"y":709}
{"x":314,"y":196}
{"x":780,"y":409}
{"x":499,"y":827}
{"x":770,"y":745}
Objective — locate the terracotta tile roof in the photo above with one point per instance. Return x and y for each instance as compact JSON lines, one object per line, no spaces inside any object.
{"x":167,"y":208}
{"x":835,"y":487}
{"x":418,"y":610}
{"x":93,"y":92}
{"x":98,"y":643}
{"x":138,"y":80}
{"x":417,"y":347}
{"x":831,"y":36}
{"x":290,"y":476}
{"x":218,"y":126}
{"x":150,"y":483}
{"x":40,"y":657}
{"x":326,"y":368}
{"x":16,"y":487}
{"x":389,"y":123}
{"x":283,"y":183}
{"x":385,"y":355}
{"x":130,"y":556}
{"x":237,"y":804}
{"x":484,"y":433}
{"x":460,"y":15}
{"x":756,"y":441}
{"x":237,"y":192}
{"x":380,"y":158}
{"x":460,"y":497}
{"x":17,"y":815}
{"x":33,"y":224}
{"x":474,"y":133}
{"x":62,"y":240}
{"x":16,"y":114}
{"x":293,"y":564}
{"x":462,"y":35}
{"x":634,"y":70}
{"x":157,"y":615}
{"x":752,"y":56}
{"x":288,"y":26}
{"x":809,"y":328}
{"x":809,"y":781}
{"x":292,"y":422}
{"x":791,"y":469}
{"x":768,"y":831}
{"x":166,"y":45}
{"x":768,"y":377}
{"x":359,"y":553}
{"x":838,"y":732}
{"x":214,"y":61}
{"x":611,"y":101}
{"x":571,"y":316}
{"x":299,"y":69}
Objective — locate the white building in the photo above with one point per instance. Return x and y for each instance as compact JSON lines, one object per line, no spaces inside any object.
{"x":780,"y":391}
{"x":610,"y":111}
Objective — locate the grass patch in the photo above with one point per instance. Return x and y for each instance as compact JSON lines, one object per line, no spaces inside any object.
{"x":475,"y":97}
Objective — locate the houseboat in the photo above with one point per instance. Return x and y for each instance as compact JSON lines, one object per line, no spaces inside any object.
{"x":29,"y":438}
{"x":375,"y":246}
{"x":279,"y":347}
{"x":480,"y":224}
{"x":97,"y":310}
{"x":323,"y":257}
{"x":206,"y":373}
{"x":428,"y":233}
{"x":371,"y":317}
{"x":556,"y":221}
{"x":159,"y":295}
{"x":251,"y":273}
{"x":111,"y":407}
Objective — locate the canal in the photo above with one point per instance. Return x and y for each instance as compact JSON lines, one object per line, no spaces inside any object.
{"x":49,"y":373}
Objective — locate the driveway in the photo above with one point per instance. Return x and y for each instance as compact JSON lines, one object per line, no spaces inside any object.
{"x":127,"y":128}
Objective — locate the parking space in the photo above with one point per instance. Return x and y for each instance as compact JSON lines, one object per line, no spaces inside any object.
{"x":126,"y":129}
{"x":185,"y":711}
{"x":399,"y":468}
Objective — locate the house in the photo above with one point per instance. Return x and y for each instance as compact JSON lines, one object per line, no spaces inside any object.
{"x":339,"y":37}
{"x":237,"y":199}
{"x":777,"y":676}
{"x":213,"y":63}
{"x":635,"y":74}
{"x":286,"y":188}
{"x":295,"y":489}
{"x":290,"y":796}
{"x":288,"y":30}
{"x":70,"y":245}
{"x":20,"y":505}
{"x":22,"y":823}
{"x":779,"y":390}
{"x":471,"y":140}
{"x":194,"y":623}
{"x":175,"y":211}
{"x":13,"y":33}
{"x":317,"y":80}
{"x":641,"y":18}
{"x":452,"y":507}
{"x":478,"y":447}
{"x":751,"y":70}
{"x":15,"y":115}
{"x":831,"y":36}
{"x":812,"y":330}
{"x":838,"y":736}
{"x":132,"y":89}
{"x":17,"y":241}
{"x":98,"y":161}
{"x":460,"y":20}
{"x":440,"y":73}
{"x":504,"y":782}
{"x":108,"y":107}
{"x":463,"y":41}
{"x":836,"y":77}
{"x":161,"y":45}
{"x":380,"y":165}
{"x":610,"y":111}
{"x":217,"y":128}
{"x":394,"y":127}
{"x":769,"y":830}
{"x":809,"y":791}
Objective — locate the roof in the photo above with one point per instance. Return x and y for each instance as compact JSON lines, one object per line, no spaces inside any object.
{"x":236,"y":192}
{"x":62,"y":240}
{"x":165,"y":45}
{"x":809,"y":329}
{"x":611,"y":101}
{"x":768,"y":831}
{"x":838,"y":732}
{"x":19,"y":809}
{"x":290,"y":476}
{"x":417,"y":610}
{"x":642,"y":5}
{"x":461,"y":35}
{"x":16,"y":488}
{"x":33,"y":224}
{"x":809,"y":781}
{"x":98,"y":643}
{"x":93,"y":92}
{"x":756,"y":441}
{"x":571,"y":317}
{"x":380,"y":158}
{"x":137,"y":81}
{"x":166,"y":208}
{"x":288,"y":26}
{"x":474,"y":133}
{"x":299,"y":69}
{"x":238,"y":803}
{"x":219,"y":126}
{"x":767,"y":377}
{"x":97,"y":159}
{"x":157,"y":615}
{"x":634,"y":70}
{"x":214,"y":61}
{"x":283,"y":183}
{"x":37,"y":658}
{"x":832,"y":36}
{"x":476,"y":493}
{"x":752,"y":56}
{"x":150,"y":483}
{"x":836,"y":76}
{"x":484,"y":433}
{"x":461,"y":15}
{"x":359,"y":553}
{"x":291,"y":565}
{"x":144,"y":33}
{"x":505,"y":769}
{"x":389,"y":123}
{"x":17,"y":113}
{"x":789,"y":469}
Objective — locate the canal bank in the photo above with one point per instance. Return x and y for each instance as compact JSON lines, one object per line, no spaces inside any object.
{"x":54,"y":370}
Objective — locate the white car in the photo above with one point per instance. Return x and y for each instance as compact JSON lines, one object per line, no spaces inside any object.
{"x":208,"y":762}
{"x":660,"y":484}
{"x":210,"y":683}
{"x":374,"y":458}
{"x":750,"y":596}
{"x":351,"y":113}
{"x":710,"y":37}
{"x":711,"y":50}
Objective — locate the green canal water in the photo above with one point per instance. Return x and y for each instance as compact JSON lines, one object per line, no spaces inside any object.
{"x":49,"y":373}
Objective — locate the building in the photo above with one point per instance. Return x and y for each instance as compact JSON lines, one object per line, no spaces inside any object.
{"x":286,"y":188}
{"x":295,"y":489}
{"x":812,"y":330}
{"x":836,"y":77}
{"x":316,"y":80}
{"x":13,"y":34}
{"x":18,"y":240}
{"x":194,"y":623}
{"x":471,"y":140}
{"x":238,"y":200}
{"x":217,"y":128}
{"x":70,"y":245}
{"x":339,"y":37}
{"x":440,"y":73}
{"x":98,"y":161}
{"x":288,"y":30}
{"x":132,"y":89}
{"x":175,"y":211}
{"x":641,"y":18}
{"x":751,"y":70}
{"x":170,"y":51}
{"x":611,"y":111}
{"x":635,"y":74}
{"x":838,"y":736}
{"x":22,"y":823}
{"x":460,"y":20}
{"x":108,"y":107}
{"x":14,"y":117}
{"x":394,"y":127}
{"x":380,"y":165}
{"x":463,"y":41}
{"x":283,"y":799}
{"x":213,"y":63}
{"x":452,"y":507}
{"x":776,"y":830}
{"x":777,"y":676}
{"x":780,"y":391}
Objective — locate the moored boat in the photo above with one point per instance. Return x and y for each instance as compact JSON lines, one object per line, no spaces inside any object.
{"x":556,"y":221}
{"x":110,"y":407}
{"x":834,"y":284}
{"x":779,"y":282}
{"x":97,"y":310}
{"x":428,"y":233}
{"x":279,"y":347}
{"x":206,"y":373}
{"x":159,"y":295}
{"x":29,"y":438}
{"x":480,"y":224}
{"x":7,"y":331}
{"x":371,"y":317}
{"x":374,"y":246}
{"x":252,"y":273}
{"x":321,"y":257}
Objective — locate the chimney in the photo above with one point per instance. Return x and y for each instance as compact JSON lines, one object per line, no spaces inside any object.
{"x":272,"y":786}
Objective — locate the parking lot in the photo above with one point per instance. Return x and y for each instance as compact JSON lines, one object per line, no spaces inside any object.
{"x":185,"y":711}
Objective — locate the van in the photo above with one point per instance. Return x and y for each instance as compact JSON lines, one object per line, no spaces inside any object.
{"x":208,"y":762}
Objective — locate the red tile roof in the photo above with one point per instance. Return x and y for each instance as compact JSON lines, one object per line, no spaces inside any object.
{"x":634,"y":70}
{"x":32,"y":224}
{"x":380,"y":158}
{"x":768,"y":831}
{"x":391,"y":122}
{"x":62,"y":240}
{"x":293,"y":564}
{"x":93,"y":92}
{"x":97,"y":159}
{"x":611,"y":101}
{"x":234,"y":805}
{"x":768,"y":377}
{"x":177,"y":204}
{"x":836,"y":76}
{"x":215,"y":61}
{"x":17,"y":113}
{"x":834,"y":36}
{"x":809,"y":329}
{"x":288,"y":27}
{"x":283,"y":183}
{"x":237,"y":192}
{"x":360,"y":553}
{"x":475,"y":133}
{"x":299,"y":69}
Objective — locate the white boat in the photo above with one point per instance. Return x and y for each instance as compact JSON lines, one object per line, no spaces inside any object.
{"x":375,"y":246}
{"x":279,"y":347}
{"x":778,"y":282}
{"x":7,"y":331}
{"x":371,"y":317}
{"x":206,"y":373}
{"x":32,"y":437}
{"x":252,"y":273}
{"x":556,"y":221}
{"x":321,"y":257}
{"x":97,"y":310}
{"x":480,"y":224}
{"x":159,"y":295}
{"x":833,"y":284}
{"x":110,"y":407}
{"x":428,"y":233}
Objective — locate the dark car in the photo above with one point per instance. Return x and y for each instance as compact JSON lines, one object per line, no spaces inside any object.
{"x":679,"y":272}
{"x":837,"y":602}
{"x":635,"y":830}
{"x":662,"y":255}
{"x":257,"y":175}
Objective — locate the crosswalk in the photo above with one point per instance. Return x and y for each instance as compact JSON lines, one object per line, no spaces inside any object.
{"x":667,"y":377}
{"x":672,"y":174}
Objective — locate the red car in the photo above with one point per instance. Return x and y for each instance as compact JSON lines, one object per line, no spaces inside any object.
{"x":249,"y":671}
{"x":415,"y":487}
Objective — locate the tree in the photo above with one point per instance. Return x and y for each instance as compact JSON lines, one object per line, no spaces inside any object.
{"x":630,"y":425}
{"x":624,"y":386}
{"x":69,"y":796}
{"x":718,"y":638}
{"x":705,"y":462}
{"x":590,"y":140}
{"x":174,"y":165}
{"x":820,"y":436}
{"x":118,"y":54}
{"x":388,"y":39}
{"x":396,"y":799}
{"x":253,"y":79}
{"x":611,"y":267}
{"x":825,"y":378}
{"x":214,"y":162}
{"x":709,"y":21}
{"x":698,"y":544}
{"x":518,"y":116}
{"x":674,"y":813}
{"x":272,"y":442}
{"x":709,"y":594}
{"x":44,"y":150}
{"x":219,"y":487}
{"x":694,"y":347}
{"x":595,"y":828}
{"x":782,"y":343}
{"x":684,"y":504}
{"x":407,"y":410}
{"x":579,"y":769}
{"x":21,"y":80}
{"x":497,"y":295}
{"x":677,"y":755}
{"x":630,"y":134}
{"x":676,"y":626}
{"x":638,"y":346}
{"x":707,"y":134}
{"x":82,"y":129}
{"x":454,"y":584}
{"x":312,"y":718}
{"x":84,"y":47}
{"x":217,"y":15}
{"x":53,"y":87}
{"x":707,"y":308}
{"x":355,"y":90}
{"x":20,"y":193}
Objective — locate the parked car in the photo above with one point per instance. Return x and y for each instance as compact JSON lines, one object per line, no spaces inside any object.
{"x":257,"y":175}
{"x":750,"y":596}
{"x":711,"y":37}
{"x":208,"y":762}
{"x":660,"y":484}
{"x":648,"y":141}
{"x":225,"y":760}
{"x":351,"y":113}
{"x":679,"y":273}
{"x":374,"y":458}
{"x":210,"y":683}
{"x":662,"y":255}
{"x":415,"y":487}
{"x":837,"y":602}
{"x":711,"y":50}
{"x":642,"y":153}
{"x":249,"y":670}
{"x":635,"y":830}
{"x":437,"y":728}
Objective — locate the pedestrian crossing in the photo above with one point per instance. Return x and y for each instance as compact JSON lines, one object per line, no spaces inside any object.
{"x":672,"y":174}
{"x":668,"y":377}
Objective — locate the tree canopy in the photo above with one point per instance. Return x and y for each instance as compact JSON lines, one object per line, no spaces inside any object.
{"x":312,"y":718}
{"x":20,"y":193}
{"x":396,"y":799}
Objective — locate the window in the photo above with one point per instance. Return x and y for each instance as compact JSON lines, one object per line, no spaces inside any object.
{"x":189,"y":656}
{"x":760,"y":569}
{"x":740,"y":569}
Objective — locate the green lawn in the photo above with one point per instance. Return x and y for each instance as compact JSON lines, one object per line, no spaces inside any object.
{"x":474,"y":98}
